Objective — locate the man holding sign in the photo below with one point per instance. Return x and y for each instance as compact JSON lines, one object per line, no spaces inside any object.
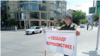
{"x":70,"y":26}
{"x":62,"y":39}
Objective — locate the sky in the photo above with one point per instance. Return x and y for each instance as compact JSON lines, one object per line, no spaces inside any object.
{"x":80,"y":5}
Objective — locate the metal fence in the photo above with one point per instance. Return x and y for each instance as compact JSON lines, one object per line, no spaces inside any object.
{"x":7,"y":28}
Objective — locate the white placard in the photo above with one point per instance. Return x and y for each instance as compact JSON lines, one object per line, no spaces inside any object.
{"x":61,"y":41}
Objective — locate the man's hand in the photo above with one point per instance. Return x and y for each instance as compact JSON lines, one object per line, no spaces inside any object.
{"x":77,"y":32}
{"x":44,"y":31}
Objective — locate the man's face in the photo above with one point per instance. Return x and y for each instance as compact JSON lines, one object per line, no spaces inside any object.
{"x":68,"y":20}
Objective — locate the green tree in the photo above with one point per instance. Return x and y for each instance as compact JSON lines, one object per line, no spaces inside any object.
{"x":13,"y":22}
{"x":96,"y":17}
{"x":84,"y":21}
{"x":62,"y":23}
{"x":77,"y":16}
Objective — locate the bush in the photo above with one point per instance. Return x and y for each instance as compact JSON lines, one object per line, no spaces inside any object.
{"x":62,"y":23}
{"x":84,"y":21}
{"x":13,"y":22}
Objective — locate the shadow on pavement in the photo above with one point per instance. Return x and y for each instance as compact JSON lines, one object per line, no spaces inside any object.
{"x":33,"y":34}
{"x":90,"y":29}
{"x":92,"y":53}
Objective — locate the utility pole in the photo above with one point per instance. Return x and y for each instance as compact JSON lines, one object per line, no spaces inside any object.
{"x":93,"y":14}
{"x":93,"y":3}
{"x":98,"y":11}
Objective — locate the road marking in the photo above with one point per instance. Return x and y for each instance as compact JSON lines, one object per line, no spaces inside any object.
{"x":7,"y":33}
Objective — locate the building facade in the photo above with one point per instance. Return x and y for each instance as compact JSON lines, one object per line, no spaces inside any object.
{"x":33,"y":13}
{"x":57,"y":11}
{"x":70,"y":11}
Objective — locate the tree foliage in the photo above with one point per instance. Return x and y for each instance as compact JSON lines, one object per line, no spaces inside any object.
{"x":96,"y":17}
{"x":13,"y":22}
{"x":62,"y":23}
{"x":84,"y":21}
{"x":77,"y":16}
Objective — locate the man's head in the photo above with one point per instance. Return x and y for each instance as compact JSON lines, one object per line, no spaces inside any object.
{"x":68,"y":19}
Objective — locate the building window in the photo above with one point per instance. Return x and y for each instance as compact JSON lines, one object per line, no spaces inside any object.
{"x":21,"y":15}
{"x":20,"y":0}
{"x":57,"y":2}
{"x":33,"y":1}
{"x":24,"y":0}
{"x":34,"y":15}
{"x":26,"y":6}
{"x":16,"y":15}
{"x":33,"y":6}
{"x":55,"y":15}
{"x":3,"y":2}
{"x":8,"y":8}
{"x":42,"y":7}
{"x":60,"y":4}
{"x":21,"y":5}
{"x":9,"y":16}
{"x":43,"y":15}
{"x":41,"y":1}
{"x":63,"y":7}
{"x":7,"y":0}
{"x":3,"y":8}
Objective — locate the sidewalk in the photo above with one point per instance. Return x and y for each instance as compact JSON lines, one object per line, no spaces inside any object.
{"x":86,"y":49}
{"x":21,"y":30}
{"x":10,"y":31}
{"x":14,"y":30}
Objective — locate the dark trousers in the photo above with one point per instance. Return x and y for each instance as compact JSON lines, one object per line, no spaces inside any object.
{"x":87,"y":28}
{"x":65,"y":55}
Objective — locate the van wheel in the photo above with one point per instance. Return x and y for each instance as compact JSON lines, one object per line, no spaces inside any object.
{"x":40,"y":31}
{"x":27,"y":34}
{"x":33,"y":32}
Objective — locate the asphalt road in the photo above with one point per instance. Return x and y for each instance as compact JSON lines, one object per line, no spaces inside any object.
{"x":18,"y":44}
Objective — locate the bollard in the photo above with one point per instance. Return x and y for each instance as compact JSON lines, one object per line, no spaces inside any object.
{"x":15,"y":28}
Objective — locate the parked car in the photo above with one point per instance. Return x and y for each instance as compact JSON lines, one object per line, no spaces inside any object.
{"x":82,"y":25}
{"x":52,"y":28}
{"x":43,"y":27}
{"x":32,"y":30}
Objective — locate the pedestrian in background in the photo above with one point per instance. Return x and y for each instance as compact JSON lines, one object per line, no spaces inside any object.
{"x":87,"y":26}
